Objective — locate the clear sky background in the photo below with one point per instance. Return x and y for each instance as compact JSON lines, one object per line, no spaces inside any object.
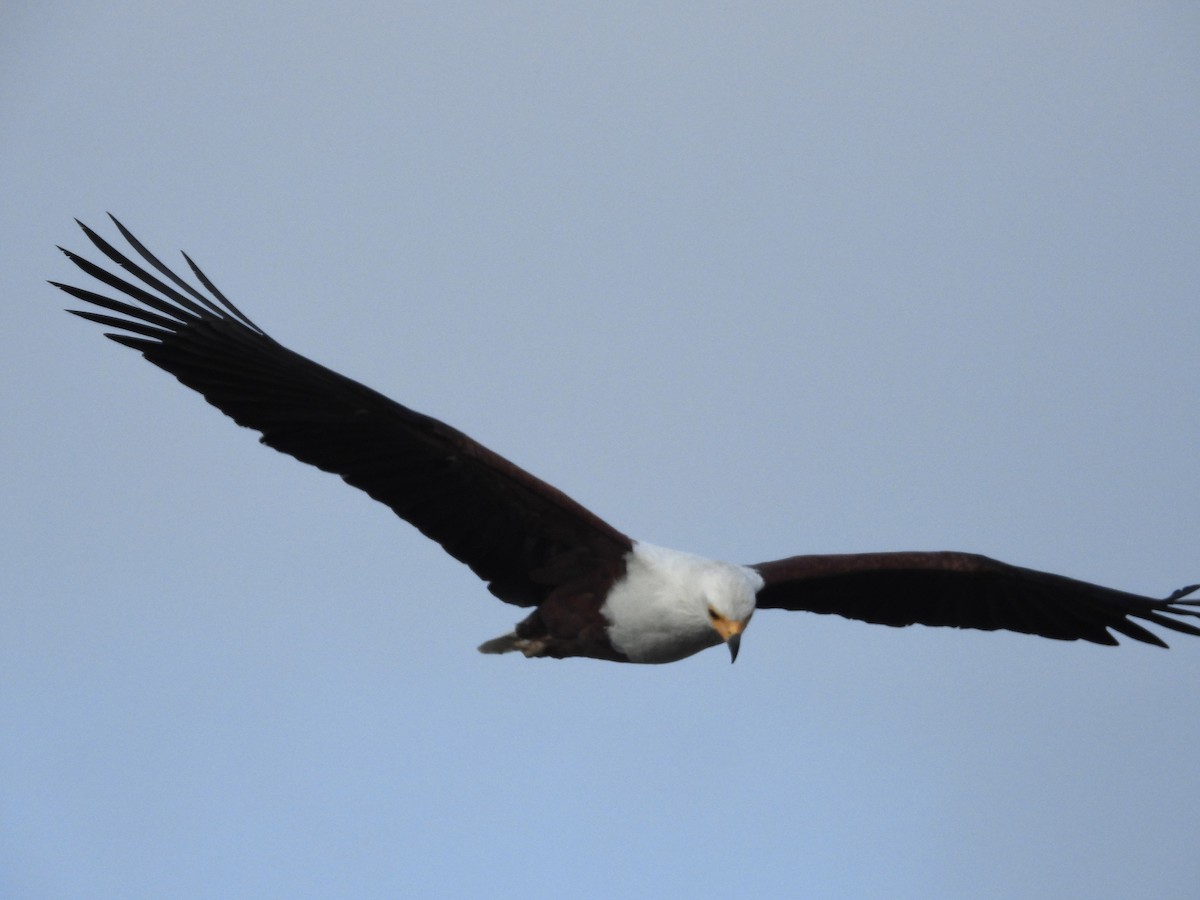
{"x":745,"y":279}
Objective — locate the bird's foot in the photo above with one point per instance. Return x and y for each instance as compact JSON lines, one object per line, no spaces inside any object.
{"x":531,"y":647}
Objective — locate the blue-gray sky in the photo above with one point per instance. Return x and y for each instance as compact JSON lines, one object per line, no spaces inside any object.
{"x":748,"y":280}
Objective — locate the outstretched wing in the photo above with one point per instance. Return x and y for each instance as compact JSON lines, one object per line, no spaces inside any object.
{"x":964,"y":590}
{"x":516,"y":532}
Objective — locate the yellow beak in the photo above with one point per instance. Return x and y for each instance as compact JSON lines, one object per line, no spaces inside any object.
{"x":730,"y":632}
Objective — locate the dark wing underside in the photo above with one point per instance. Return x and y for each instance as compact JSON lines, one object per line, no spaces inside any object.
{"x":516,"y":532}
{"x":964,"y":590}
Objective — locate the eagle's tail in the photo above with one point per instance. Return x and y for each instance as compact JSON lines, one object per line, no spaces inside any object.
{"x":506,"y":643}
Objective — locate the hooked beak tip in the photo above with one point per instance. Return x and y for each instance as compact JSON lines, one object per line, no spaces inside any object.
{"x":734,"y":642}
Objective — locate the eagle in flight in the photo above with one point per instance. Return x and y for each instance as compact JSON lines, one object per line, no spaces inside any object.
{"x":591,"y":590}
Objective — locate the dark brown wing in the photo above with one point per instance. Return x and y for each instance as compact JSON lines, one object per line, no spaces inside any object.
{"x":964,"y":590}
{"x":516,"y":532}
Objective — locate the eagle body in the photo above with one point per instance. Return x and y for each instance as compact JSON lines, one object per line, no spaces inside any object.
{"x":591,"y":589}
{"x":666,"y":605}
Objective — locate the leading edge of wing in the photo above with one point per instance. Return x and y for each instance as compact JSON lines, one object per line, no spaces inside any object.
{"x":520,"y":534}
{"x":966,"y":590}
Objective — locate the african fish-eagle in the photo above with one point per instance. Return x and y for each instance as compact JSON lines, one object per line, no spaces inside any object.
{"x":592,"y":590}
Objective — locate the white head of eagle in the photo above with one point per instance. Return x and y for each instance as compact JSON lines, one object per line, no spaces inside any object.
{"x":672,"y":604}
